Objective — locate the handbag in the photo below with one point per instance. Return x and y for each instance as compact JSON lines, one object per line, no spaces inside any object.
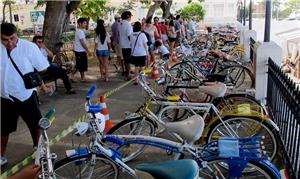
{"x":31,"y":79}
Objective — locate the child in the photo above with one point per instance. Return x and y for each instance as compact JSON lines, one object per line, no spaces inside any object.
{"x":162,"y":48}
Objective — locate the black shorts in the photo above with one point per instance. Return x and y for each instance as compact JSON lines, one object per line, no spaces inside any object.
{"x":81,"y":61}
{"x":126,"y":52}
{"x":11,"y":110}
{"x":172,"y":39}
{"x":139,"y":61}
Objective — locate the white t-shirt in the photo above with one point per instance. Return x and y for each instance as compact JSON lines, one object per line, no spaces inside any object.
{"x":26,"y":56}
{"x":125,"y":30}
{"x":139,"y":49}
{"x":103,"y":46}
{"x":163,"y":50}
{"x":79,"y":34}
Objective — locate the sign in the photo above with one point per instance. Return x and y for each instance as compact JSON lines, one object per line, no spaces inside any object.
{"x":37,"y":17}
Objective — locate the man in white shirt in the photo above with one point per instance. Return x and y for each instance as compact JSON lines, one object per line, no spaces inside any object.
{"x":125,"y":31}
{"x":16,"y":100}
{"x":80,"y":48}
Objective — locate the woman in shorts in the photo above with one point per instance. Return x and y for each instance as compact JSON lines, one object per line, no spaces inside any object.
{"x":171,"y":35}
{"x":139,"y":48}
{"x":102,"y":48}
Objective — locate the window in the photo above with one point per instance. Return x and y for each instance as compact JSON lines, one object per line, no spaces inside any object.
{"x":16,"y":17}
{"x":218,"y":10}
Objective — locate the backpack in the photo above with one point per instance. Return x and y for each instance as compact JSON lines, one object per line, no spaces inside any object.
{"x":148,"y":38}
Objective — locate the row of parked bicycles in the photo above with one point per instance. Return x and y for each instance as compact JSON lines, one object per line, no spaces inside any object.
{"x":210,"y":129}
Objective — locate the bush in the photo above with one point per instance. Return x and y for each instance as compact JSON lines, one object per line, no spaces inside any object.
{"x":193,"y":10}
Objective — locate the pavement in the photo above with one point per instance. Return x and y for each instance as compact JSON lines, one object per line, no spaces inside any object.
{"x":70,"y":107}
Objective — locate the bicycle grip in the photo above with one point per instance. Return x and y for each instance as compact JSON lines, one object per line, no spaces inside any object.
{"x":50,"y":113}
{"x":91,"y":92}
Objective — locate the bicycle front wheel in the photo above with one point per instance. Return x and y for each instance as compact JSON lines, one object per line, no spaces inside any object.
{"x":82,"y":167}
{"x":135,"y":126}
{"x":215,"y":170}
{"x":246,"y":127}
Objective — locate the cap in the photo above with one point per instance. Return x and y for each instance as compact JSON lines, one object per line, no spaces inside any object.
{"x":117,"y":16}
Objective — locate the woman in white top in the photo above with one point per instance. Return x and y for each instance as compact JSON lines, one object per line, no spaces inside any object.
{"x":102,"y":48}
{"x":139,"y":48}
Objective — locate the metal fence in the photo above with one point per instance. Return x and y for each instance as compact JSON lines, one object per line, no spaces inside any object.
{"x":283,"y":99}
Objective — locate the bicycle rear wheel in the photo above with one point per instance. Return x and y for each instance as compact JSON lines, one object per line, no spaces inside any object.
{"x":215,"y":170}
{"x":135,"y":126}
{"x":246,"y":127}
{"x":82,"y":167}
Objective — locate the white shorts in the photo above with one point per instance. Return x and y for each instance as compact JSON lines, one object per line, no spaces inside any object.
{"x":164,"y":37}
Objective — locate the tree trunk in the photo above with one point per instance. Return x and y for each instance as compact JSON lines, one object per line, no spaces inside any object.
{"x":57,"y":17}
{"x":166,"y":8}
{"x":10,"y":13}
{"x":3,"y":11}
{"x":152,"y":9}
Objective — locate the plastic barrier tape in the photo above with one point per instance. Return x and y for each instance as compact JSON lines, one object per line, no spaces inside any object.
{"x":57,"y":138}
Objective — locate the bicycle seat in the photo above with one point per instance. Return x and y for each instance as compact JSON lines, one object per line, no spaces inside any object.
{"x":214,"y":89}
{"x":220,"y":77}
{"x":189,"y":129}
{"x":174,"y":169}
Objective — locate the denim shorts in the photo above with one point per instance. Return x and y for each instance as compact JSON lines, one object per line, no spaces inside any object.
{"x":102,"y":53}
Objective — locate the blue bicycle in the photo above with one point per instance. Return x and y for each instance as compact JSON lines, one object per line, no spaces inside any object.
{"x":225,"y":158}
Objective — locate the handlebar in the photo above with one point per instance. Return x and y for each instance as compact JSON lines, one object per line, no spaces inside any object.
{"x":50,"y":113}
{"x":91,"y":92}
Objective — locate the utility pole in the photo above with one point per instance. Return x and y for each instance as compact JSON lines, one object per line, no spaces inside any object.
{"x":268,"y":20}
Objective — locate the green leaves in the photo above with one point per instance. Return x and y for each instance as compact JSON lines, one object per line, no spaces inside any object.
{"x":94,"y":9}
{"x":193,"y":10}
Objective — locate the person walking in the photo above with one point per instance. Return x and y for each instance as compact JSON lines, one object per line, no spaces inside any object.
{"x":19,"y":57}
{"x":177,"y":26}
{"x":139,"y":47}
{"x":152,"y":31}
{"x":171,"y":36}
{"x":192,"y":27}
{"x":125,"y":31}
{"x":80,"y":49}
{"x":102,"y":48}
{"x":115,"y":41}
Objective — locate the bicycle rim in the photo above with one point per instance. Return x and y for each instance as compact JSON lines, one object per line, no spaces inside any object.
{"x":215,"y":170}
{"x":246,"y":127}
{"x":80,"y":168}
{"x":132,"y":127}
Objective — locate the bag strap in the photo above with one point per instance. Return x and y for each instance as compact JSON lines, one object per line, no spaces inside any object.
{"x":135,"y":42}
{"x":16,"y":67}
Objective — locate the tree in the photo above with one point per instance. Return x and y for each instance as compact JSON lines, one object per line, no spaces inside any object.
{"x":5,"y":4}
{"x":126,"y":6}
{"x":93,"y":9}
{"x":57,"y":17}
{"x":193,"y":10}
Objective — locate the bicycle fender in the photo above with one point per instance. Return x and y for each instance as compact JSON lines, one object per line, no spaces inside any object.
{"x":236,"y":167}
{"x":272,"y":124}
{"x":77,"y":152}
{"x":271,"y":167}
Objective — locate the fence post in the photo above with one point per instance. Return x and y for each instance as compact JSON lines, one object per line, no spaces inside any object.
{"x":263,"y":52}
{"x":247,"y":35}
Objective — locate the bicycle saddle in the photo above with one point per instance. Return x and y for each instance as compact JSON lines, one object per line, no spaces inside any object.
{"x":174,"y":169}
{"x":214,"y":89}
{"x":189,"y":129}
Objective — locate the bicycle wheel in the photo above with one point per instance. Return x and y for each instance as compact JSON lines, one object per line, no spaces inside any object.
{"x":215,"y":170}
{"x":238,"y":77}
{"x":246,"y":127}
{"x":230,"y":99}
{"x":135,"y":126}
{"x":82,"y":167}
{"x":180,"y":72}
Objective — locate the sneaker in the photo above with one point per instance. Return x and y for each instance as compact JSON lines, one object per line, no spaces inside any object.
{"x":35,"y":148}
{"x":3,"y":160}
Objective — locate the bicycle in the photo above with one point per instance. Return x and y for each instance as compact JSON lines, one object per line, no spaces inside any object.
{"x":43,"y":157}
{"x":214,"y":159}
{"x":226,"y":125}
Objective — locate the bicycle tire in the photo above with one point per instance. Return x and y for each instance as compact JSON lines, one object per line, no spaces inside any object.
{"x":261,"y":169}
{"x":235,"y":98}
{"x":270,"y":142}
{"x":236,"y":75}
{"x":177,"y":73}
{"x":73,"y":165}
{"x":131,"y":152}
